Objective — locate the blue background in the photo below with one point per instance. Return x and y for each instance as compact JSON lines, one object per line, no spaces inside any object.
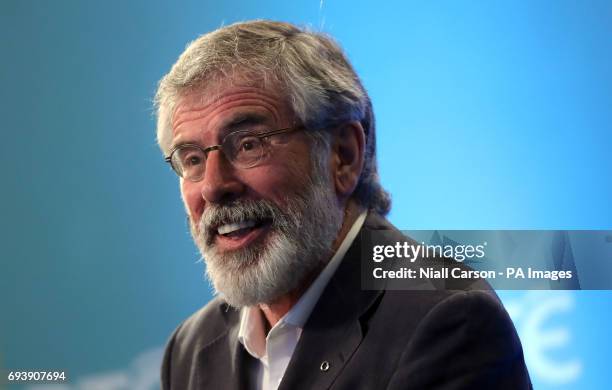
{"x":490,"y":115}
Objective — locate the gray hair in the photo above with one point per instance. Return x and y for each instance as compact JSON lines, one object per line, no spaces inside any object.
{"x":308,"y":67}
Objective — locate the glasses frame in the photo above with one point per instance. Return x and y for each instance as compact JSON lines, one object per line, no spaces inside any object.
{"x":219,"y":147}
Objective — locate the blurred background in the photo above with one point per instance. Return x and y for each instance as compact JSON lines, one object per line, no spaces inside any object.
{"x":491,"y":115}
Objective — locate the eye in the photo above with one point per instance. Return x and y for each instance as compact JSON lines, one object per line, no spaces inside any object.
{"x":190,"y":157}
{"x":243,"y":148}
{"x":192,"y":160}
{"x":248,"y":144}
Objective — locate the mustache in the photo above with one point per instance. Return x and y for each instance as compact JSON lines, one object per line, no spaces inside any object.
{"x":238,"y":211}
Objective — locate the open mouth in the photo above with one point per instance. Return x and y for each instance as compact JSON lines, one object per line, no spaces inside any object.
{"x":236,"y":235}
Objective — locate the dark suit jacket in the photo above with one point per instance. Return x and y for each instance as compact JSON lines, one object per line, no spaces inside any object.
{"x":460,"y":338}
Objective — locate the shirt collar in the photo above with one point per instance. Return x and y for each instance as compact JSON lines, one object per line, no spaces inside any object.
{"x":252,"y":330}
{"x":300,"y":312}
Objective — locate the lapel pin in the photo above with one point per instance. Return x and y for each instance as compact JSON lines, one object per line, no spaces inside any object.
{"x":324,"y":365}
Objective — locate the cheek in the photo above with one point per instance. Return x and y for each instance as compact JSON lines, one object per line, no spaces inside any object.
{"x":192,"y":199}
{"x":276,"y":181}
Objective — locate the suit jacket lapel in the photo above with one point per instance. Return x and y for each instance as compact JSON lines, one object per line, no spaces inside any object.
{"x":334,"y":330}
{"x":224,"y":363}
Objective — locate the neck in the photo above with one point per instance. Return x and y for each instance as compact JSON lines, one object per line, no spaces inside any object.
{"x":274,"y":311}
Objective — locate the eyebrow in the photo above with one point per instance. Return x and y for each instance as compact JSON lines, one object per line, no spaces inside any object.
{"x":241,"y":120}
{"x":238,"y":122}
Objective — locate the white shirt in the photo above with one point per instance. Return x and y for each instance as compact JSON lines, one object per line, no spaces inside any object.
{"x":274,"y":351}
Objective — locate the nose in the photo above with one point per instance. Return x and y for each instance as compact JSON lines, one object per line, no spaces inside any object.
{"x":220,"y":183}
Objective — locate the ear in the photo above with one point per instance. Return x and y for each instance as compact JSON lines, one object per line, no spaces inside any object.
{"x":348,"y":150}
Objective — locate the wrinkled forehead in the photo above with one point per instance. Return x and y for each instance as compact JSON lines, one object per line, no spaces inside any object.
{"x":223,"y":102}
{"x":218,"y":85}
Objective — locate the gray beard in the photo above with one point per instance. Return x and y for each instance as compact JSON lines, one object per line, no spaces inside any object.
{"x":298,"y":244}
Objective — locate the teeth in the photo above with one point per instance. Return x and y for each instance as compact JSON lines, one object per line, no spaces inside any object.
{"x":232,"y":227}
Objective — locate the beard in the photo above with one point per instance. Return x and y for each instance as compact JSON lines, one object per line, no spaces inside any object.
{"x":298,"y":243}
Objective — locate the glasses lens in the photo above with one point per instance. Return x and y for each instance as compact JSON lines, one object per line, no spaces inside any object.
{"x":243,"y":149}
{"x":188,"y":162}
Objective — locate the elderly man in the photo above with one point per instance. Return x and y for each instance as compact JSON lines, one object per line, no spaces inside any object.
{"x":272,"y":135}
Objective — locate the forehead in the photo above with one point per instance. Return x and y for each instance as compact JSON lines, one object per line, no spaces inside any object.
{"x":221,"y":101}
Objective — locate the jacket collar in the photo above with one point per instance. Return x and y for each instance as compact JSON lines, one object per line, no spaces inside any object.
{"x":222,"y":363}
{"x":334,"y":330}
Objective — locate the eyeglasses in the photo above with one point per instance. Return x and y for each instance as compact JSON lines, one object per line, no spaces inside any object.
{"x":243,"y":149}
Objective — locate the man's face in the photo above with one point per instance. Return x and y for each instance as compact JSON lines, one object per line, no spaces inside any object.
{"x":205,"y":121}
{"x":259,"y":229}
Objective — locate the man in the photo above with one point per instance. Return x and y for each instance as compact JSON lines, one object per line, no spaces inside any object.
{"x":272,"y":135}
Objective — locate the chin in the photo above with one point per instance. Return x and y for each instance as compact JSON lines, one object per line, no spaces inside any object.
{"x":259,"y":274}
